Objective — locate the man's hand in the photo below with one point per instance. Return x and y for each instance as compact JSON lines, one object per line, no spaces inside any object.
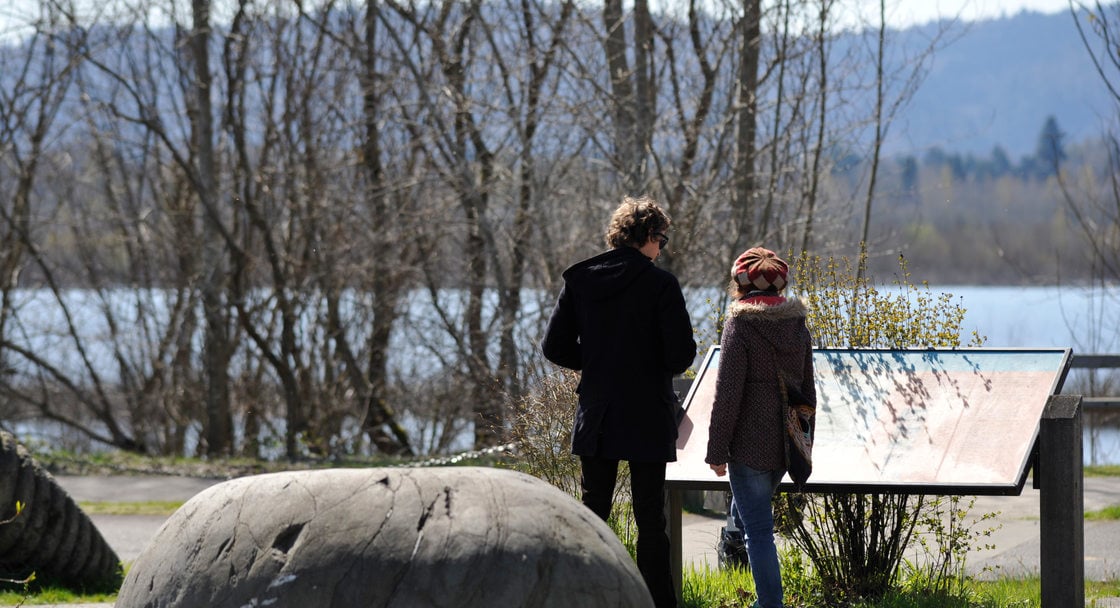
{"x":720,"y":469}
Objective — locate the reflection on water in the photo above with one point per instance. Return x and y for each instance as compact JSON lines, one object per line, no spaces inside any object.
{"x":1101,"y":434}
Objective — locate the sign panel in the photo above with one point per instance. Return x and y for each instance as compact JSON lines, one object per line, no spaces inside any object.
{"x":960,"y":421}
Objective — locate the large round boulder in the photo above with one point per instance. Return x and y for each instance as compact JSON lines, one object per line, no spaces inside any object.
{"x":341,"y":538}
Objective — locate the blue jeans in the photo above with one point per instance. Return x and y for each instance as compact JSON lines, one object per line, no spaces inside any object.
{"x":752,"y":492}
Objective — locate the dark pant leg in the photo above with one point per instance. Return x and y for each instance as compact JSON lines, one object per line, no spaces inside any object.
{"x":597,"y":480}
{"x":647,"y":483}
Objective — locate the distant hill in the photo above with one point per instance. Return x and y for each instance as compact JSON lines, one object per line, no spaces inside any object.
{"x":997,"y":83}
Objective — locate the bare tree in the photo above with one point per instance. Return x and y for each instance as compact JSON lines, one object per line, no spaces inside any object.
{"x":341,"y":226}
{"x":41,"y":77}
{"x":305,"y":328}
{"x":1096,"y":207}
{"x":540,"y":31}
{"x":279,"y":159}
{"x":33,"y":89}
{"x":387,"y":280}
{"x":685,"y":175}
{"x":813,"y":168}
{"x":633,"y":88}
{"x":218,"y":344}
{"x":138,"y":91}
{"x":471,"y":167}
{"x":750,"y":40}
{"x":457,"y":145}
{"x":895,"y":83}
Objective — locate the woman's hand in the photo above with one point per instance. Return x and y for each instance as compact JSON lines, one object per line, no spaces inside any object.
{"x":720,"y":469}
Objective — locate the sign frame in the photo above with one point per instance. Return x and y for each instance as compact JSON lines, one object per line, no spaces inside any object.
{"x":688,"y":474}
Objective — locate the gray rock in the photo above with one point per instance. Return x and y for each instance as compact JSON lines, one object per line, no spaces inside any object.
{"x":340,"y":538}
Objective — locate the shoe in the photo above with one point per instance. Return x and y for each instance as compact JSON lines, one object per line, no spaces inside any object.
{"x":731,"y":552}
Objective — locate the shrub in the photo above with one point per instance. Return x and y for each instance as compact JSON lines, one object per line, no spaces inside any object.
{"x":542,"y":430}
{"x":856,"y":542}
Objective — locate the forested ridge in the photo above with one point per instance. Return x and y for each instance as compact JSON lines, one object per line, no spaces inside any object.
{"x":259,"y":204}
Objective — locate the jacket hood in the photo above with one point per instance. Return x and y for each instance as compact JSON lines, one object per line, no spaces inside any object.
{"x":791,"y":308}
{"x":607,"y":274}
{"x":772,"y":322}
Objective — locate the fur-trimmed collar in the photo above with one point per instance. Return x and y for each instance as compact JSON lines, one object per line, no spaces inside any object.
{"x":792,"y":308}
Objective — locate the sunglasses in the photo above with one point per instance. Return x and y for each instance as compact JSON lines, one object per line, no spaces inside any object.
{"x":662,"y":239}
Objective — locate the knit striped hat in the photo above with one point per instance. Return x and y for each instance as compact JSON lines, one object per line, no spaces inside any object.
{"x":759,"y":268}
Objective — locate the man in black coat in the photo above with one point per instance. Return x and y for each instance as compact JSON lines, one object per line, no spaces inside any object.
{"x":622,"y":322}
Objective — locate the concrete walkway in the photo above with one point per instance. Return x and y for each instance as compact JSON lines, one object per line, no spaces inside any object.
{"x":1015,"y":544}
{"x":1015,"y":540}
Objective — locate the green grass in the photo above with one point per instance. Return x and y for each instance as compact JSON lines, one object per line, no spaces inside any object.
{"x":716,"y":588}
{"x":1110,"y":470}
{"x":1111,"y":512}
{"x":701,"y":588}
{"x":49,"y":594}
{"x":731,"y":589}
{"x":1108,"y":513}
{"x":151,"y":507}
{"x":722,"y":589}
{"x":1100,"y":589}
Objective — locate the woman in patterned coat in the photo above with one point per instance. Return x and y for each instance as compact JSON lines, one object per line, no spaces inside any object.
{"x":764,"y":338}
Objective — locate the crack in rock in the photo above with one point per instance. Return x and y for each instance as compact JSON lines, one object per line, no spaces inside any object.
{"x":287,"y":537}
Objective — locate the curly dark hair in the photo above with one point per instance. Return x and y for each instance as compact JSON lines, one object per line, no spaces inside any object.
{"x":634,"y":221}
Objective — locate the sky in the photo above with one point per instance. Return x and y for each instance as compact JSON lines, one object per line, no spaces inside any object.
{"x":900,"y":13}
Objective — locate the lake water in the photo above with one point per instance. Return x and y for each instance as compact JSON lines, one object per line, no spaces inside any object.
{"x":1085,"y":320}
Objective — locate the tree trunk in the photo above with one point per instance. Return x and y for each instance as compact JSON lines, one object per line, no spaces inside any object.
{"x":745,"y":179}
{"x":217,"y":349}
{"x":822,"y":106}
{"x":386,"y":284}
{"x":877,"y":144}
{"x":632,"y":91}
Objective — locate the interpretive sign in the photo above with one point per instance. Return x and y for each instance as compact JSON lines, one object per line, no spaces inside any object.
{"x":960,"y":421}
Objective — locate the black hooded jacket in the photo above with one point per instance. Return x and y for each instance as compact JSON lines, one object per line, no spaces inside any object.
{"x":622,"y":322}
